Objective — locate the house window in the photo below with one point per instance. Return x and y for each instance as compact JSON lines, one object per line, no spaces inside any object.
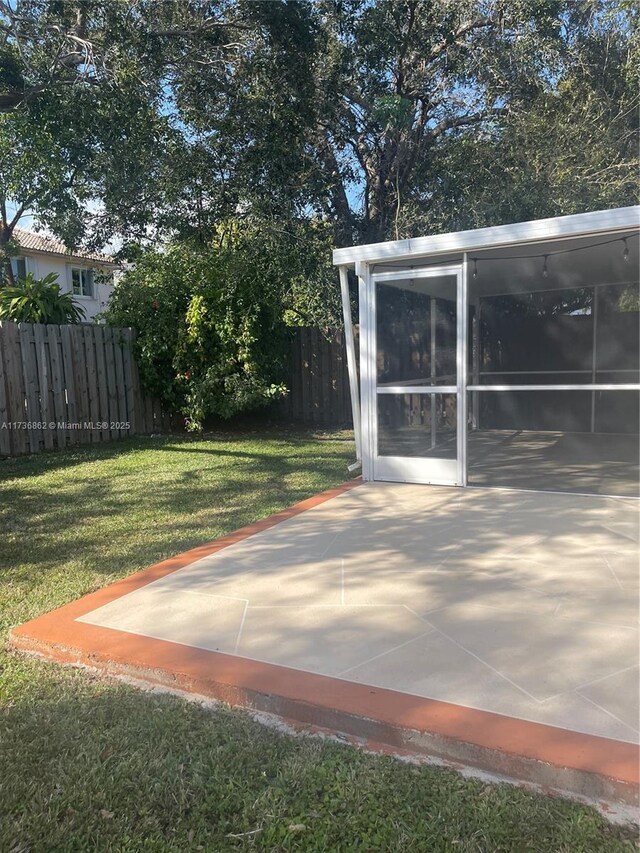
{"x":82,"y":281}
{"x":19,"y":267}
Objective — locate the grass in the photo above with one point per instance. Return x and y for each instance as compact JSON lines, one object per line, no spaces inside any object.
{"x":89,"y":764}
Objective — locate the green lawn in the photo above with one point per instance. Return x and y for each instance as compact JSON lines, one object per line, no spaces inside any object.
{"x":87,"y":764}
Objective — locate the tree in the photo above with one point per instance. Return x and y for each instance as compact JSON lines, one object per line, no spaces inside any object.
{"x":82,"y":126}
{"x":334,"y":106}
{"x":573,"y":149}
{"x":408,"y":76}
{"x":384,"y":116}
{"x":383,"y":119}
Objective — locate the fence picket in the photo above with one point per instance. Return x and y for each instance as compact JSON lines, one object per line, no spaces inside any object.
{"x":45,"y":394}
{"x":103,"y":391}
{"x":14,"y":383}
{"x":130,"y":380}
{"x":121,"y":396}
{"x":321,"y":391}
{"x":110,"y":373}
{"x":93,"y":388}
{"x":67,"y":368}
{"x":31,"y":384}
{"x":5,"y":429}
{"x":59,"y":412}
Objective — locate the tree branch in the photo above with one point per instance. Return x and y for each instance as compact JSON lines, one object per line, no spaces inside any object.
{"x":16,"y":218}
{"x":461,"y":121}
{"x":463,"y":29}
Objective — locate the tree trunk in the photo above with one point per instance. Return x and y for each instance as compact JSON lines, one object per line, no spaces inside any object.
{"x":382,"y":203}
{"x":340,"y":209}
{"x":6,"y":278}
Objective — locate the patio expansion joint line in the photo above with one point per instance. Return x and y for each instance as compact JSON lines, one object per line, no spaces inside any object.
{"x":608,"y":713}
{"x":455,"y":552}
{"x":139,"y":633}
{"x":611,"y":569}
{"x":608,"y":675}
{"x":498,"y":607}
{"x":315,"y":606}
{"x":207,"y":594}
{"x":476,"y":657}
{"x":512,"y":552}
{"x":384,"y":654}
{"x":622,"y":553}
{"x":329,"y":545}
{"x":220,"y":555}
{"x":240,"y":629}
{"x":620,"y":535}
{"x":552,"y":492}
{"x":564,"y":591}
{"x":597,"y":622}
{"x":144,"y":586}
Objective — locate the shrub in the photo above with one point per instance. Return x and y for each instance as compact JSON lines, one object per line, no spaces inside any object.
{"x":34,"y":300}
{"x":211,"y":336}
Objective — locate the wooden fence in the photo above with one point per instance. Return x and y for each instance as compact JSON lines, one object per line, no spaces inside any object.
{"x":66,"y":385}
{"x":318,"y":380}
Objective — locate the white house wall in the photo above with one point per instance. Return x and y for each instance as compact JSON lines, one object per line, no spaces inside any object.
{"x":41,"y":265}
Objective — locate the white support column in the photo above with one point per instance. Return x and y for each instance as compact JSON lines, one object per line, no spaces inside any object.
{"x":351,"y":359}
{"x":461,"y":361}
{"x":433,"y":407}
{"x":367,"y":369}
{"x":594,"y":357}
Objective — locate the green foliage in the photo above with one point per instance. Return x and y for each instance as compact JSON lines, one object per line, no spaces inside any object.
{"x":326,"y":123}
{"x":80,"y":123}
{"x":213,"y":321}
{"x":35,"y":300}
{"x":335,"y":107}
{"x":10,"y":71}
{"x":571,"y":148}
{"x":629,"y":299}
{"x":211,"y":335}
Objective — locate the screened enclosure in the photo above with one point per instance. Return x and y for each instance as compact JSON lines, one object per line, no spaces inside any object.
{"x":505,"y":357}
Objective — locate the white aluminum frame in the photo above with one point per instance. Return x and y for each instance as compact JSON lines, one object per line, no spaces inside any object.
{"x":364,"y":283}
{"x":402,"y":468}
{"x":536,"y":231}
{"x":628,"y":386}
{"x":426,"y":250}
{"x":351,"y":358}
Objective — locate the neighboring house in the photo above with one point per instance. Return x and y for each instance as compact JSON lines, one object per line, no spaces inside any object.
{"x":89,"y":276}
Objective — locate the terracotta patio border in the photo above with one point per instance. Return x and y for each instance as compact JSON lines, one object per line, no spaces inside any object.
{"x":563,"y":760}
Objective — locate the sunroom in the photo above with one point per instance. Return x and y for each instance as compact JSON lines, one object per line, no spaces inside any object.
{"x":502,"y":357}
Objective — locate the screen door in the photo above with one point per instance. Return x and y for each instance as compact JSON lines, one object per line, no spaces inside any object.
{"x":419,"y":415}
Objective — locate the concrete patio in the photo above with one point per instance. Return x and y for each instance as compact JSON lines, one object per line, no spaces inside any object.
{"x":523,"y":605}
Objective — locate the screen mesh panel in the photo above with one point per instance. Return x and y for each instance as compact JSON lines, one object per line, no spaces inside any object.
{"x":417,"y":425}
{"x":407,"y":314}
{"x":574,"y":326}
{"x":534,"y":332}
{"x":524,"y":441}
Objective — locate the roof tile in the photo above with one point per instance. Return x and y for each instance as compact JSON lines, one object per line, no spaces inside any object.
{"x":39,"y":243}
